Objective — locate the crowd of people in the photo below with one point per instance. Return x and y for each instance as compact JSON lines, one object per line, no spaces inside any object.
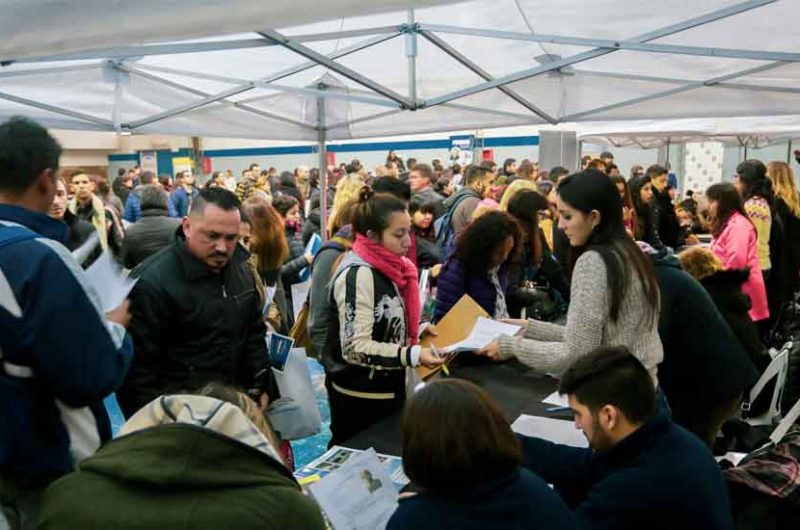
{"x":652,"y":311}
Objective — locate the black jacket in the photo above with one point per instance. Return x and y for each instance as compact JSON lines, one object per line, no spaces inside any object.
{"x":725,"y":289}
{"x":790,"y":242}
{"x":191,"y":326}
{"x":312,"y":225}
{"x":147,"y":236}
{"x":703,"y":363}
{"x":669,"y":229}
{"x":548,"y":275}
{"x":660,"y":476}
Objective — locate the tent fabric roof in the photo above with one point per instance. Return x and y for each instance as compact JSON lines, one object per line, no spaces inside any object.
{"x":476,"y":64}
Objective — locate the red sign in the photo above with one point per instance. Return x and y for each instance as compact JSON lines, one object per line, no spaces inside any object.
{"x":331,"y":158}
{"x":488,"y":154}
{"x":206,"y":165}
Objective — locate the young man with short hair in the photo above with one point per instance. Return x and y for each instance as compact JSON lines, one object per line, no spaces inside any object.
{"x":642,"y":471}
{"x":666,"y":220}
{"x":478,"y":182}
{"x":87,"y":206}
{"x":184,"y":194}
{"x":60,"y":354}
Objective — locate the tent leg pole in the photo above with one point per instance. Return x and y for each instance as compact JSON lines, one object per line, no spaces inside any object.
{"x":789,"y":153}
{"x":411,"y":55}
{"x":323,"y":169}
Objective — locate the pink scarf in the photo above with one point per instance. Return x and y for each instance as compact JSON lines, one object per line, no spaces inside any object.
{"x":401,"y":271}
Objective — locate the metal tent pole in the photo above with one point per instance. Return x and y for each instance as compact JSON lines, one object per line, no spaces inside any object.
{"x":323,"y":169}
{"x":411,"y":54}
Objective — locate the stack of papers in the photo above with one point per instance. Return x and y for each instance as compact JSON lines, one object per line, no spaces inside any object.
{"x":359,"y":492}
{"x":557,"y":431}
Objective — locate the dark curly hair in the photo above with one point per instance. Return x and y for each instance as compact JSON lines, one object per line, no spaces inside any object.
{"x":475,"y":245}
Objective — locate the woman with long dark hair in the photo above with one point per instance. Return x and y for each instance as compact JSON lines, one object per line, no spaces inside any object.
{"x":374,"y":326}
{"x":614,"y":296}
{"x":536,"y":279}
{"x":755,"y":189}
{"x":479,"y":265}
{"x":735,"y":242}
{"x":628,"y":208}
{"x":645,"y":227}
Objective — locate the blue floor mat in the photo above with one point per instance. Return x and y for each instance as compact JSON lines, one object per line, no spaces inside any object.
{"x":305,"y":450}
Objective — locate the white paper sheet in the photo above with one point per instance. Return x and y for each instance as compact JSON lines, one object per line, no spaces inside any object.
{"x":299,"y":295}
{"x":732,"y":457}
{"x":558,"y":431}
{"x":359,"y":495}
{"x":107,"y":278}
{"x":485,"y":331}
{"x":84,"y":251}
{"x":556,"y":400}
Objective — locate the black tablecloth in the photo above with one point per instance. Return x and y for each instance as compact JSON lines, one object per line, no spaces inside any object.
{"x":515,"y":387}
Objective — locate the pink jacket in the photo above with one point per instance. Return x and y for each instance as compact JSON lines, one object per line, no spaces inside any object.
{"x":737,"y":247}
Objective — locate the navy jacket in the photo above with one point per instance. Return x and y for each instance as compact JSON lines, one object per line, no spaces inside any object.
{"x":454,"y":282}
{"x":133,"y":207}
{"x":59,"y":356}
{"x":704,"y":363}
{"x":660,"y":476}
{"x":520,"y":501}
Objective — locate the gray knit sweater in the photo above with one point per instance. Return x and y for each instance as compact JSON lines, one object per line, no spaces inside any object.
{"x":553,"y":348}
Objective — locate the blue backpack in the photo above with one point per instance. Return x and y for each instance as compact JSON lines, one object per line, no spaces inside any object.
{"x":443,"y":227}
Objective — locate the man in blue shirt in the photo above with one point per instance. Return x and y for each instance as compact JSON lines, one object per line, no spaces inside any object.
{"x":183,"y":196}
{"x":642,"y":471}
{"x":59,"y":354}
{"x":133,"y":206}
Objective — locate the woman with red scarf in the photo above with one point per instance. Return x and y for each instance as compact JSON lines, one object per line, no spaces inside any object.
{"x":375,"y":325}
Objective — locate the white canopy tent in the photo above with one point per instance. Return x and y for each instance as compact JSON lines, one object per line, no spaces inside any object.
{"x":389,"y":67}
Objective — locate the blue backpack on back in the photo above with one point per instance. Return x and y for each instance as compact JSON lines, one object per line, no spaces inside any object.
{"x":443,"y":227}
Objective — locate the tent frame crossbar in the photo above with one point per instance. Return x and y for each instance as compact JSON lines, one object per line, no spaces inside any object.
{"x":685,"y":25}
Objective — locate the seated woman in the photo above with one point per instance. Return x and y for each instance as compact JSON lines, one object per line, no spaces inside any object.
{"x":459,"y":450}
{"x":479,"y":266}
{"x":614,"y":295}
{"x":204,"y":461}
{"x":374,"y":325}
{"x":536,"y":278}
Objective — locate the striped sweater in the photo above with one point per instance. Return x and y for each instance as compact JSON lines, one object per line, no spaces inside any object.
{"x":758,"y":211}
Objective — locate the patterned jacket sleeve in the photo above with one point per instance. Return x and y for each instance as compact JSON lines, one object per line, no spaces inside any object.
{"x":354,"y":294}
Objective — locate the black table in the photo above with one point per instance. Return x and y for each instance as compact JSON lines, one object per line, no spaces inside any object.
{"x":517,"y":388}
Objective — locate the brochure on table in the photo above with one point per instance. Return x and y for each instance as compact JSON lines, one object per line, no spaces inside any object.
{"x":337,"y":456}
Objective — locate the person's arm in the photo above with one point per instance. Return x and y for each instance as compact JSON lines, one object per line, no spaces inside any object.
{"x":255,"y":374}
{"x":588,"y":312}
{"x":80,"y":354}
{"x":354,"y":293}
{"x":463,"y":214}
{"x":734,"y":243}
{"x":318,"y":306}
{"x":568,"y":469}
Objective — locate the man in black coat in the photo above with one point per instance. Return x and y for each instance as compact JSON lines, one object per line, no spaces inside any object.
{"x":665,"y":218}
{"x":196,"y":312}
{"x":705,"y":369}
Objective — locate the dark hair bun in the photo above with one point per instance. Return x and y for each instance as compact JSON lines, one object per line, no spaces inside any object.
{"x":365,"y":194}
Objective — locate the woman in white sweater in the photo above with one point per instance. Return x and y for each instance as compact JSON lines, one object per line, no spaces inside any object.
{"x":614,"y":297}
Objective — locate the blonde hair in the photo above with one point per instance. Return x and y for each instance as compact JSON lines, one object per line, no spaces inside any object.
{"x":783,"y":185}
{"x":347,"y":190}
{"x":700,"y":262}
{"x":514,"y":188}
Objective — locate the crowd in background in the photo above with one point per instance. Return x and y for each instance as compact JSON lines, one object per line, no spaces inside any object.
{"x":620,"y":286}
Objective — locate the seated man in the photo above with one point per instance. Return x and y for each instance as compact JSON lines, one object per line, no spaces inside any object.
{"x":642,"y":471}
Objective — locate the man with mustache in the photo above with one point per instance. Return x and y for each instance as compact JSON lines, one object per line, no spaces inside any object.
{"x":197,"y":312}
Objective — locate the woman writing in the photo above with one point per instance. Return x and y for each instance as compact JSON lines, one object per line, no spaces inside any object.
{"x":614,"y":297}
{"x":375,"y":323}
